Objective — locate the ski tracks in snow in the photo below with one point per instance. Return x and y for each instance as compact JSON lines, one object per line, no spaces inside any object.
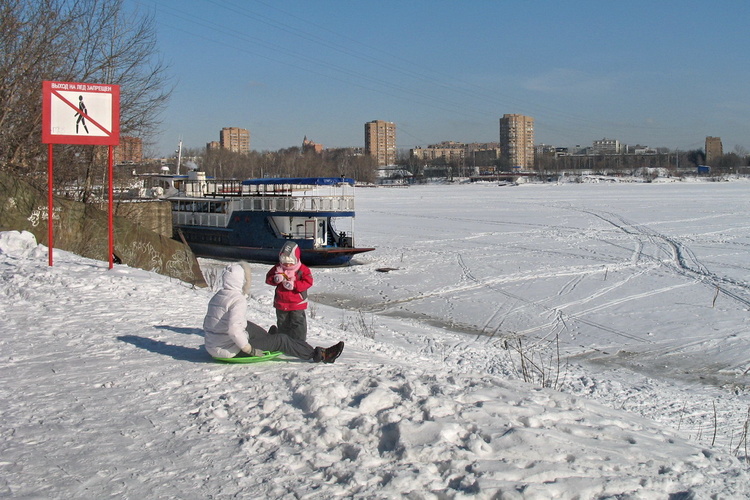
{"x":493,"y":325}
{"x":681,"y":258}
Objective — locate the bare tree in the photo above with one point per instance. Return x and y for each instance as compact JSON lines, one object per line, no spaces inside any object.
{"x":696,"y":157}
{"x":289,"y":162}
{"x":727,"y":163}
{"x":226,"y":164}
{"x":120,"y":49}
{"x":74,"y":40}
{"x":31,"y":49}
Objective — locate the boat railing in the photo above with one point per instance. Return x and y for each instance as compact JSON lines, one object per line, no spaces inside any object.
{"x":216,"y":213}
{"x":253,"y":198}
{"x":296,"y":203}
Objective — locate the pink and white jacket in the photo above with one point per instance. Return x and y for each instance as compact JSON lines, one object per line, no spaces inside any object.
{"x":291,"y":270}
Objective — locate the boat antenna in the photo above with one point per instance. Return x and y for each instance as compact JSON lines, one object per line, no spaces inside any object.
{"x":179,"y":156}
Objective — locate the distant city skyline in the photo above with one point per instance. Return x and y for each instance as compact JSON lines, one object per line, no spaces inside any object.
{"x":661,"y":74}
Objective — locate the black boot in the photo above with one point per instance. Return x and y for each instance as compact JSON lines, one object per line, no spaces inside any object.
{"x":330,"y":354}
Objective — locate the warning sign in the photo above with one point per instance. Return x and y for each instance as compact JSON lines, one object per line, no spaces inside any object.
{"x":80,"y":113}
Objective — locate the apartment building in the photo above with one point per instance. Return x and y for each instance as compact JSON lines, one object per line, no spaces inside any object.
{"x":129,"y":151}
{"x":517,"y":140}
{"x":474,"y":154}
{"x":450,"y":151}
{"x":607,"y":147}
{"x":714,"y":149}
{"x":235,"y":139}
{"x":380,"y":141}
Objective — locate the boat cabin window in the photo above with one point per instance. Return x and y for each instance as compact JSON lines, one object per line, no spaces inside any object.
{"x":212,"y":207}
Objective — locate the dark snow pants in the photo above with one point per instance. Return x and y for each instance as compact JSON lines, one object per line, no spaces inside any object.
{"x":293,"y":323}
{"x":261,"y":339}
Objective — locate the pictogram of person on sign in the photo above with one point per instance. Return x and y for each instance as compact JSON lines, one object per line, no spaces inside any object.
{"x":82,"y":109}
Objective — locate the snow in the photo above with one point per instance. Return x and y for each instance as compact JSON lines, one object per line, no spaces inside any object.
{"x":539,"y":341}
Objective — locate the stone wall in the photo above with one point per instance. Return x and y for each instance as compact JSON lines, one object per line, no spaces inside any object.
{"x":83,"y":229}
{"x":154,"y":215}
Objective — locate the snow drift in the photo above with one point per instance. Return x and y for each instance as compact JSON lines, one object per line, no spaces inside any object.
{"x":108,"y":391}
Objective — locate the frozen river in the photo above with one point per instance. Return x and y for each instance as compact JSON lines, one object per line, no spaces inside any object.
{"x":652,"y":276}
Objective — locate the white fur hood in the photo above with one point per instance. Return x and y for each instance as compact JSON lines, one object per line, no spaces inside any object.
{"x":237,"y":276}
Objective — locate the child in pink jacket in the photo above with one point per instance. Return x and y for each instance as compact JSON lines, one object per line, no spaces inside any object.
{"x":292,"y":279}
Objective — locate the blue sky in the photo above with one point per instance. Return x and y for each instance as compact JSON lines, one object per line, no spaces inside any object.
{"x":656,"y":73}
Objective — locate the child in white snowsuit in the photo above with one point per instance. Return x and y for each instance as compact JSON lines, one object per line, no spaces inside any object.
{"x":228,"y":334}
{"x":292,"y":279}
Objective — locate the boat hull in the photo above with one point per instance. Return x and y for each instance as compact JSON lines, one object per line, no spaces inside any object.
{"x":326,"y":257}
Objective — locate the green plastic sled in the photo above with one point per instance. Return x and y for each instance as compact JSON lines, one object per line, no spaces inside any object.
{"x":251,"y":359}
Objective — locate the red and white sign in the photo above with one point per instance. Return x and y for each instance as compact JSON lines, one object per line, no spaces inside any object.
{"x":80,"y":113}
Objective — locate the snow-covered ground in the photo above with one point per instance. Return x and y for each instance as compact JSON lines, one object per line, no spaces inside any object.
{"x":539,"y":341}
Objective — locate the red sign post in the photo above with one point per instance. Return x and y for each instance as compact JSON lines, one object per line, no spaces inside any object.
{"x":80,"y":113}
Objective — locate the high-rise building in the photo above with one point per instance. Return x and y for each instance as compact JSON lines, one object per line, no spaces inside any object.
{"x":517,"y":140}
{"x":714,"y":149}
{"x":380,"y":141}
{"x":235,"y":139}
